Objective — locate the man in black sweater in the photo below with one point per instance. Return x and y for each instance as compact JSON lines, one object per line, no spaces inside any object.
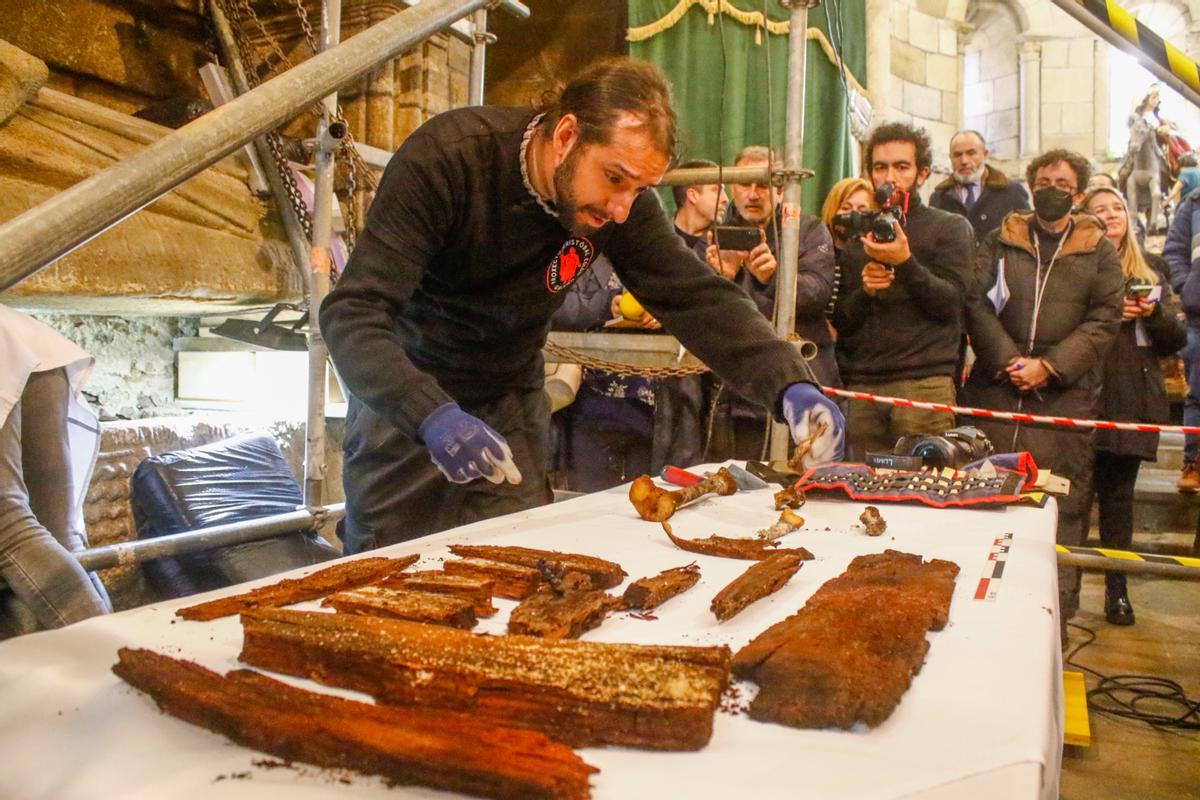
{"x":899,"y":313}
{"x":483,"y":217}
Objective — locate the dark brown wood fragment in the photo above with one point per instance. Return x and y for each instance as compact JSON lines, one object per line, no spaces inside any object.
{"x":603,"y":574}
{"x":508,"y":580}
{"x":342,"y":575}
{"x":379,"y":601}
{"x":759,"y":580}
{"x":430,"y":747}
{"x":850,"y":654}
{"x":725,"y":547}
{"x":651,"y":592}
{"x":579,"y":693}
{"x":477,"y":590}
{"x":561,"y":615}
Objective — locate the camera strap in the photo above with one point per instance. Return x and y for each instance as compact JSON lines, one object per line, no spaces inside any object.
{"x":1040,"y":281}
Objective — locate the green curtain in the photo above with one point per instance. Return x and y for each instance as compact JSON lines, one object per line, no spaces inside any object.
{"x":751,"y":109}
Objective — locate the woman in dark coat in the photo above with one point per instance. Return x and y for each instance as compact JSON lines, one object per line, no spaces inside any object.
{"x":1132,"y":389}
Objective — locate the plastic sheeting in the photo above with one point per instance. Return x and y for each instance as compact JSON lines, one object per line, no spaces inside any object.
{"x":229,"y":481}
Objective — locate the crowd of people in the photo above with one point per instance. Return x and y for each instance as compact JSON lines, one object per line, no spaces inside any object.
{"x":977,"y":297}
{"x":493,"y":224}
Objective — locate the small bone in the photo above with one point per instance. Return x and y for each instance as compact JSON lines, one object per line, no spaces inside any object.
{"x":656,"y":504}
{"x":788,"y":521}
{"x":872,"y":521}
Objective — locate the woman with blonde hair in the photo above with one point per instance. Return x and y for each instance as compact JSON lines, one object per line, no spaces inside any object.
{"x":1133,"y":388}
{"x":848,"y":194}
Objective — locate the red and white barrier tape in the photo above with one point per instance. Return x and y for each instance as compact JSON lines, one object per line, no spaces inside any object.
{"x":1016,"y":416}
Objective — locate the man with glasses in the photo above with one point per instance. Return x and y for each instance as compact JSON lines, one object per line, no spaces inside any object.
{"x":1045,"y":307}
{"x":899,"y":313}
{"x":739,"y":427}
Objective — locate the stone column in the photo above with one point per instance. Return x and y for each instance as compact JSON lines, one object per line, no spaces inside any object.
{"x":1031,"y":98}
{"x":879,"y":57}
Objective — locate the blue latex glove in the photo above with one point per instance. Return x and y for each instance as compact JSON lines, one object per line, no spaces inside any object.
{"x":464,"y":447}
{"x":804,"y":406}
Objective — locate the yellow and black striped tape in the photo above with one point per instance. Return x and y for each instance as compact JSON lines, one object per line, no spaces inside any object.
{"x":1183,"y":561}
{"x":1164,"y":53}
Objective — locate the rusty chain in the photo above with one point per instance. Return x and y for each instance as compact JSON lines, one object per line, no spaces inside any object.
{"x":620,"y":367}
{"x":244,"y":14}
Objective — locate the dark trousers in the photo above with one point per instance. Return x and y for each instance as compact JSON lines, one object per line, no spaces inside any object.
{"x":1114,"y":480}
{"x":395,"y":493}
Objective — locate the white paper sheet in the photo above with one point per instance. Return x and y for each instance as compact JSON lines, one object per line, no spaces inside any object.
{"x":982,"y":719}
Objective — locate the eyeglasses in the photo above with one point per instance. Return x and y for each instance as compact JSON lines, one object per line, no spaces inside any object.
{"x":1062,"y":184}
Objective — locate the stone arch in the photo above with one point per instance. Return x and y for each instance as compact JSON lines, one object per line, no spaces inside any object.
{"x":991,"y":74}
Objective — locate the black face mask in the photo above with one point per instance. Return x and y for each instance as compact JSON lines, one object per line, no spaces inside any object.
{"x":1052,"y":203}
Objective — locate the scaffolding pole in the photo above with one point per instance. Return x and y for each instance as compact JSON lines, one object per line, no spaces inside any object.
{"x":329,"y":139}
{"x":793,"y":159}
{"x":41,"y":235}
{"x":180,"y":544}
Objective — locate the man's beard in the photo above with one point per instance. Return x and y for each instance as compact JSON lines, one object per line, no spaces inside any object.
{"x":974,"y":177}
{"x":565,"y":203}
{"x":756,"y":216}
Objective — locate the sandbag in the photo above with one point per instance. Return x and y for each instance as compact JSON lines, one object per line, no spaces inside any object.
{"x":233,"y":480}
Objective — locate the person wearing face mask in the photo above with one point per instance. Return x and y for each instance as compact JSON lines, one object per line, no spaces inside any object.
{"x":1043,"y":312}
{"x":899,"y":312}
{"x":976,"y":189}
{"x":483,"y":218}
{"x":1132,"y":390}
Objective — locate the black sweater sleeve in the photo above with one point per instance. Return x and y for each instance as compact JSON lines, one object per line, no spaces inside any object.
{"x":939,"y":289}
{"x":710,"y":315}
{"x":409,"y":220}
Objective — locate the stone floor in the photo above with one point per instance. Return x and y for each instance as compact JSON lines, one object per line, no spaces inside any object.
{"x":1129,"y":759}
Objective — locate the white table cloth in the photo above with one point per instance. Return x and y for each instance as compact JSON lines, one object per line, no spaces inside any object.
{"x":982,"y":719}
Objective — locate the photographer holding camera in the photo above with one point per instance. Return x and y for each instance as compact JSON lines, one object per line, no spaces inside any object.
{"x":899,"y":314}
{"x":745,"y":252}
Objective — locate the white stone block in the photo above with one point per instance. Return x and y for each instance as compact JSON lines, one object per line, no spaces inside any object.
{"x":1077,"y":118}
{"x":948,"y":40}
{"x":1066,"y":85}
{"x":1055,"y":53}
{"x":1003,"y":125}
{"x":923,"y":31}
{"x":899,"y":21}
{"x":1006,"y":92}
{"x":922,"y":101}
{"x":1005,"y":149}
{"x":998,"y":60}
{"x":971,"y":68}
{"x":908,"y":62}
{"x":1082,"y":52}
{"x":1051,"y":118}
{"x":941,"y":72}
{"x":956,"y":10}
{"x":977,"y":99}
{"x":977,"y":123}
{"x":951,"y":111}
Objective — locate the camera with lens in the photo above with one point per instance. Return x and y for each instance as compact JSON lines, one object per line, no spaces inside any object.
{"x":880,"y":224}
{"x":955,"y":448}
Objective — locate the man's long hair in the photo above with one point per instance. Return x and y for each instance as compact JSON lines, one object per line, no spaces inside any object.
{"x":600,"y":94}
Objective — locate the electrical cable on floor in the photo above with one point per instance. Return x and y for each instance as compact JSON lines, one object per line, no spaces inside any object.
{"x":1127,"y":695}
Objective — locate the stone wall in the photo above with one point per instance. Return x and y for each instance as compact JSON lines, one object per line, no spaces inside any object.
{"x":991,"y":78}
{"x":134,"y":375}
{"x":926,"y":68}
{"x":1023,"y":72}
